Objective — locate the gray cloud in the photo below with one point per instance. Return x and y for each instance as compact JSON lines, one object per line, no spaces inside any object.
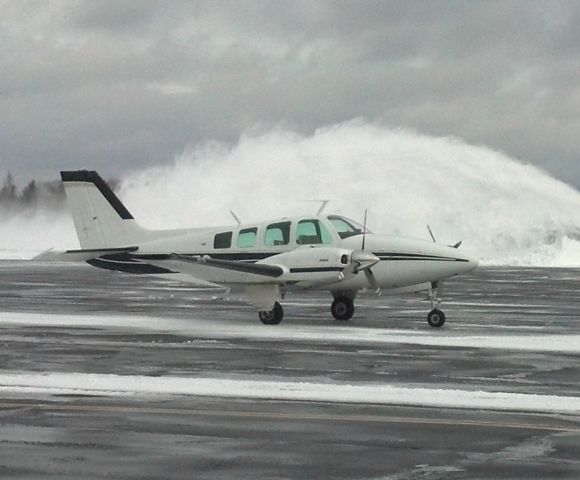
{"x":118,"y":85}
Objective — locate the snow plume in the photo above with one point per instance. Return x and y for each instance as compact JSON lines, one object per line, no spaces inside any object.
{"x":505,"y":211}
{"x":24,"y":234}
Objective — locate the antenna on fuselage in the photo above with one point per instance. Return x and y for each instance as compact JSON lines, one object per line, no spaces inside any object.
{"x":322,"y":206}
{"x":431,"y":233}
{"x":235,"y":217}
{"x":322,"y":202}
{"x":455,"y":245}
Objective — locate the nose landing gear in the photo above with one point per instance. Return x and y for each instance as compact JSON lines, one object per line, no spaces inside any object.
{"x":436,"y":317}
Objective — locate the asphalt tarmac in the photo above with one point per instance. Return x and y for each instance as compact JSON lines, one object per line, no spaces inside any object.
{"x":166,"y":330}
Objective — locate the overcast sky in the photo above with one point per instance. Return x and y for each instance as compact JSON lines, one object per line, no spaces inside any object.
{"x":119,"y":85}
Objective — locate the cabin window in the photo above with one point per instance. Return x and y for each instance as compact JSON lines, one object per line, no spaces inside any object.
{"x":312,"y":232}
{"x":277,"y":234}
{"x":222,"y":240}
{"x":247,"y":237}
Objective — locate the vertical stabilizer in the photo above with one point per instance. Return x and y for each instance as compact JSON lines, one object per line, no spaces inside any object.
{"x":100,"y":219}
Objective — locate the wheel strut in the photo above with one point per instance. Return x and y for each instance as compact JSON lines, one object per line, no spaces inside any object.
{"x":436,"y":317}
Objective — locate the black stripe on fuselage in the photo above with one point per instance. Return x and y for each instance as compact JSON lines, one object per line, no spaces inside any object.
{"x":240,"y":257}
{"x":254,"y":257}
{"x":315,"y":269}
{"x":416,"y":256}
{"x":131,"y":263}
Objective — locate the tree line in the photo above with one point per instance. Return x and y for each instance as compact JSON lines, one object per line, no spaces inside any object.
{"x":35,"y":194}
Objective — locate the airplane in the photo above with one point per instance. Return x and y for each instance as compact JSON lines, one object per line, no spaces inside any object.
{"x":266,"y":259}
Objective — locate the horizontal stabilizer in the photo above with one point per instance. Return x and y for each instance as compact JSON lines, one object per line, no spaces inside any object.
{"x":90,"y":253}
{"x":81,"y":255}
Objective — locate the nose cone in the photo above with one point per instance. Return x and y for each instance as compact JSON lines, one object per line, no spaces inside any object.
{"x":455,"y":262}
{"x":470,"y":262}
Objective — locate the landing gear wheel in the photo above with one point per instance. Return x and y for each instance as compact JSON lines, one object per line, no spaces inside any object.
{"x":342,"y":308}
{"x":436,"y":318}
{"x":272,"y":317}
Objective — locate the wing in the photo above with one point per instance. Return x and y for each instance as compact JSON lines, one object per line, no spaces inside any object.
{"x":300,"y":268}
{"x":272,"y":271}
{"x":212,"y":270}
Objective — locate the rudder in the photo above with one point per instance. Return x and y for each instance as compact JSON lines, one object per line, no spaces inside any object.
{"x":100,"y":219}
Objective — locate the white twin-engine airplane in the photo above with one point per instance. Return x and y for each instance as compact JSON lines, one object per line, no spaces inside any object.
{"x":268,"y":259}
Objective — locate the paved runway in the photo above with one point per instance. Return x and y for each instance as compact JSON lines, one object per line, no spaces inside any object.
{"x":493,"y":394}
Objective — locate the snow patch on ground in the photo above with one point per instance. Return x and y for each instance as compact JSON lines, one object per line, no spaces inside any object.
{"x":99,"y":384}
{"x":324,"y":334}
{"x":18,"y":254}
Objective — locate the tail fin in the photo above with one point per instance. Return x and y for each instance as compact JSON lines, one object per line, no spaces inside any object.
{"x":100,"y":219}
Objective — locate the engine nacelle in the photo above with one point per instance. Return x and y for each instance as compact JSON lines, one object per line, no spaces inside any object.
{"x":312,"y":257}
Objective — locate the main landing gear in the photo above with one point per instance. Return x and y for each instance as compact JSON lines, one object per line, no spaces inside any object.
{"x":342,"y":308}
{"x":272,"y":317}
{"x":436,"y":317}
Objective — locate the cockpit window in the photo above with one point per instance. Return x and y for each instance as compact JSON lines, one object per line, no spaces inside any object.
{"x":346,"y":227}
{"x":277,"y":234}
{"x":311,"y":232}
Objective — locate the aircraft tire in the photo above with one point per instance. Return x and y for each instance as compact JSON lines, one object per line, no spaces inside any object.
{"x":342,"y":308}
{"x":436,"y":318}
{"x":272,"y":317}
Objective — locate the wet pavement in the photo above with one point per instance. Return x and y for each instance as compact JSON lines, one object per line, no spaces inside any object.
{"x":64,"y":435}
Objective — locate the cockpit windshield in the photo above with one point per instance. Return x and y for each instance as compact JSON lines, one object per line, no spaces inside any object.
{"x":345,"y":227}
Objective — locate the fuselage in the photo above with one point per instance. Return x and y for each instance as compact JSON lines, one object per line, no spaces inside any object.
{"x":313,"y":250}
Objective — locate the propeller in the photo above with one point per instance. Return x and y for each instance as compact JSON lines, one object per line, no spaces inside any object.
{"x":368,"y":260}
{"x":362,"y":261}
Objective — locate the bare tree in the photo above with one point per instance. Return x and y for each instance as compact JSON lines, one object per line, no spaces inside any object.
{"x":8,"y":195}
{"x":29,"y":195}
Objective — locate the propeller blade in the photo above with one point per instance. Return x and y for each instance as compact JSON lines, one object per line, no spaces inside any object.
{"x":349,"y":271}
{"x":372,"y":280}
{"x":364,"y":229}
